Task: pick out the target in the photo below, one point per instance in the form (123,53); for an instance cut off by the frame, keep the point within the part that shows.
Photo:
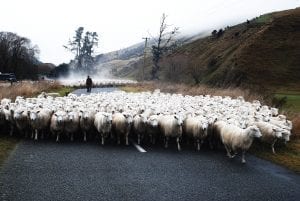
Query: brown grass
(27,89)
(296,127)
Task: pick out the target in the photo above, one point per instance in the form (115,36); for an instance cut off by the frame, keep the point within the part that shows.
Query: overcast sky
(121,23)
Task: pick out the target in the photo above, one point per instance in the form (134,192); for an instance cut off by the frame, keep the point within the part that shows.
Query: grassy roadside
(7,144)
(26,89)
(287,155)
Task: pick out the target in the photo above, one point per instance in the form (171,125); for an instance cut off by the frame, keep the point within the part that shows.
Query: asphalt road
(46,170)
(95,90)
(89,171)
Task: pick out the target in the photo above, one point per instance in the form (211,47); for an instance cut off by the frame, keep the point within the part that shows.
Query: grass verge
(286,155)
(7,144)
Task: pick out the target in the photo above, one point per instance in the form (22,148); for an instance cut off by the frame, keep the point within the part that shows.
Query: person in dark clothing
(89,84)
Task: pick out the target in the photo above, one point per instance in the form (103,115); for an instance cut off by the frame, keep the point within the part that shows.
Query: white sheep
(87,118)
(121,125)
(58,123)
(40,121)
(196,128)
(21,120)
(171,126)
(72,124)
(103,124)
(139,126)
(270,133)
(152,128)
(235,138)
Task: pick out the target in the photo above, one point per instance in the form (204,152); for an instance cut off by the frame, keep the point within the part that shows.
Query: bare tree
(165,42)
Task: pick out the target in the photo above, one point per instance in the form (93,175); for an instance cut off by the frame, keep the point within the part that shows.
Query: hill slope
(264,51)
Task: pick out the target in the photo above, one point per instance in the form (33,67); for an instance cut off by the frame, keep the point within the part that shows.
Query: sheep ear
(274,129)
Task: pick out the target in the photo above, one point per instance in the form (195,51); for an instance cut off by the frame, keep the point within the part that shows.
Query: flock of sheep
(148,117)
(96,82)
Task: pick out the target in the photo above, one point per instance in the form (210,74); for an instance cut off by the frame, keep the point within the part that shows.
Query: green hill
(264,51)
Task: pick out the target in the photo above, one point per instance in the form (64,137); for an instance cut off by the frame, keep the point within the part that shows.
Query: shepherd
(89,84)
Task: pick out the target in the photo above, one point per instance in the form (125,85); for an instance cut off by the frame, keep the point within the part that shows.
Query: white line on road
(138,147)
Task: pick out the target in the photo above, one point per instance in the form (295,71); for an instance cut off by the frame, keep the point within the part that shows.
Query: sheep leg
(166,142)
(127,143)
(84,136)
(102,139)
(119,140)
(32,134)
(178,143)
(243,157)
(36,134)
(72,137)
(57,137)
(198,145)
(228,151)
(272,146)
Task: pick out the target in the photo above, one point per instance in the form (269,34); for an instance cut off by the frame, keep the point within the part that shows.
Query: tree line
(18,56)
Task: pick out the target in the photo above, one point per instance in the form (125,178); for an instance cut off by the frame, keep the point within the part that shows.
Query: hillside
(264,51)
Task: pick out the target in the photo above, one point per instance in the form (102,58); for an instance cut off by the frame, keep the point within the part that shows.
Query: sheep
(21,120)
(270,133)
(40,121)
(87,118)
(171,126)
(45,95)
(152,128)
(58,123)
(103,124)
(235,138)
(8,113)
(72,124)
(139,126)
(196,128)
(121,125)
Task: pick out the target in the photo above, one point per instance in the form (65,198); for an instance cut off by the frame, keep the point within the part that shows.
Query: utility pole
(143,71)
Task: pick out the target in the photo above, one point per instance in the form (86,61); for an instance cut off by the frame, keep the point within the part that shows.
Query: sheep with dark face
(121,126)
(57,124)
(171,126)
(103,124)
(40,121)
